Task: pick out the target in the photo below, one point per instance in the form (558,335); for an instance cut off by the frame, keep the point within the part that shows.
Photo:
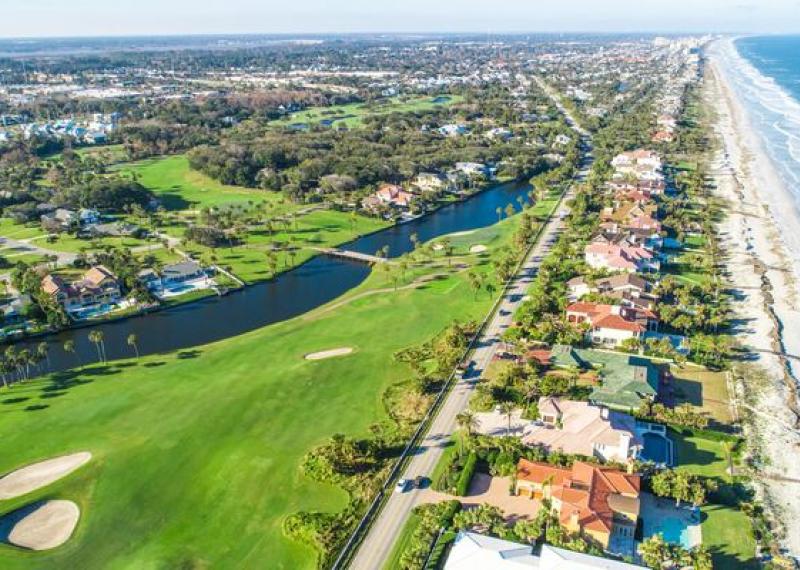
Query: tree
(509,210)
(43,352)
(69,347)
(133,341)
(467,421)
(655,551)
(475,281)
(97,337)
(507,409)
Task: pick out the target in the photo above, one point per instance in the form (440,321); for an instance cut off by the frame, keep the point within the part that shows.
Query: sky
(39,18)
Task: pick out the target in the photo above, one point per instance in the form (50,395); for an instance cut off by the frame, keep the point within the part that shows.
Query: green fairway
(181,188)
(196,453)
(352,114)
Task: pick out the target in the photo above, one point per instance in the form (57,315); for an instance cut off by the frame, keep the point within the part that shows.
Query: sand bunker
(46,526)
(464,233)
(478,248)
(329,353)
(38,475)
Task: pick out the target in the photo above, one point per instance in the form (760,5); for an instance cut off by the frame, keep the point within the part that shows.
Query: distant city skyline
(65,18)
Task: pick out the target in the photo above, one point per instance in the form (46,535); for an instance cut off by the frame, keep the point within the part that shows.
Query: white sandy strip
(750,234)
(478,248)
(50,525)
(464,233)
(329,353)
(38,475)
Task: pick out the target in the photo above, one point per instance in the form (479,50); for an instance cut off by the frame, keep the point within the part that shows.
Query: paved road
(376,546)
(26,246)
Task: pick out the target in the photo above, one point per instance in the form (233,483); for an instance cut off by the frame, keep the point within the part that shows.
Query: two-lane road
(376,546)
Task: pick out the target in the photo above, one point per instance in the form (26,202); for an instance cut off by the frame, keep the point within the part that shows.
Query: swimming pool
(656,448)
(673,530)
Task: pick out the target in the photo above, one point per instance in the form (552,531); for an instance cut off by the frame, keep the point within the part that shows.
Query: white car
(402,486)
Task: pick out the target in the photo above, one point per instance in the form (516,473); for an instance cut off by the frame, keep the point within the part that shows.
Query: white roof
(473,551)
(553,558)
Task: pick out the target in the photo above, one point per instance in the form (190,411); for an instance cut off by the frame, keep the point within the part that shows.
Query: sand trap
(329,353)
(464,233)
(48,525)
(478,248)
(38,475)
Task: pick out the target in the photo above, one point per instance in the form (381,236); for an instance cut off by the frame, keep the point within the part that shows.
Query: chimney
(573,520)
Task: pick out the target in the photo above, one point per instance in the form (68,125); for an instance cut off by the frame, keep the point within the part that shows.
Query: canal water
(293,293)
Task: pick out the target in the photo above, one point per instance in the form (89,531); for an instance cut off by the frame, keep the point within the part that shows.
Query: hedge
(466,475)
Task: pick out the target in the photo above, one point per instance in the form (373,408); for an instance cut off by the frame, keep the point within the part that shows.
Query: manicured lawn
(704,389)
(322,228)
(196,453)
(700,456)
(180,188)
(10,229)
(726,533)
(351,115)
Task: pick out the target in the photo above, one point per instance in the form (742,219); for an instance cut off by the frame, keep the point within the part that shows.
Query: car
(420,481)
(402,486)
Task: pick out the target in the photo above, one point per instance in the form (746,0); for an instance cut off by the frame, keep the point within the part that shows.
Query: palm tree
(97,338)
(69,347)
(467,421)
(43,353)
(133,341)
(507,409)
(499,212)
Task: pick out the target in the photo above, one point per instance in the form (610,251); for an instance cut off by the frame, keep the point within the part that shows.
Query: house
(87,216)
(181,272)
(611,325)
(498,133)
(620,258)
(453,130)
(430,181)
(60,220)
(472,168)
(616,285)
(593,501)
(13,309)
(98,286)
(473,551)
(572,427)
(629,160)
(389,195)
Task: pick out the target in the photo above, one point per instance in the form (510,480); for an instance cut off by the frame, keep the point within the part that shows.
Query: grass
(704,389)
(322,228)
(726,530)
(727,536)
(403,541)
(352,114)
(197,453)
(178,187)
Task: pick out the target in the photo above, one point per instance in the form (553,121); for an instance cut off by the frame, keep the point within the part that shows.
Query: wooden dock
(354,255)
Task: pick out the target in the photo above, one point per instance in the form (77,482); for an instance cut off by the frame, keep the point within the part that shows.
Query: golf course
(196,453)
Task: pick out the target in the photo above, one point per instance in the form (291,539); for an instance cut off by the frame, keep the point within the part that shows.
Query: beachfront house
(611,325)
(613,257)
(473,551)
(569,426)
(593,501)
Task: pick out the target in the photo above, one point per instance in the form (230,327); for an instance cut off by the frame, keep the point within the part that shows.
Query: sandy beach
(764,281)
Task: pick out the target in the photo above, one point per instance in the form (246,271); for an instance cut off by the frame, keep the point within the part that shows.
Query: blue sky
(121,17)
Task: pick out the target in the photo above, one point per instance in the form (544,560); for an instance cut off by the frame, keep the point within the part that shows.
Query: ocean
(765,74)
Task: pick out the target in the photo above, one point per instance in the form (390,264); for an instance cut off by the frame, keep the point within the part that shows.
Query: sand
(38,475)
(329,353)
(49,525)
(478,248)
(764,284)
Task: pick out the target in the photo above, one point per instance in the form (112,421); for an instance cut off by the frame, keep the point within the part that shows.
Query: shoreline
(763,283)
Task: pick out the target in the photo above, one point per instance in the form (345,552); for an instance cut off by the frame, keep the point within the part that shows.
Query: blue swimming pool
(673,530)
(656,448)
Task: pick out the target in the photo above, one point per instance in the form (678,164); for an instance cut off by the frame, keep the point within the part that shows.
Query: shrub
(466,474)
